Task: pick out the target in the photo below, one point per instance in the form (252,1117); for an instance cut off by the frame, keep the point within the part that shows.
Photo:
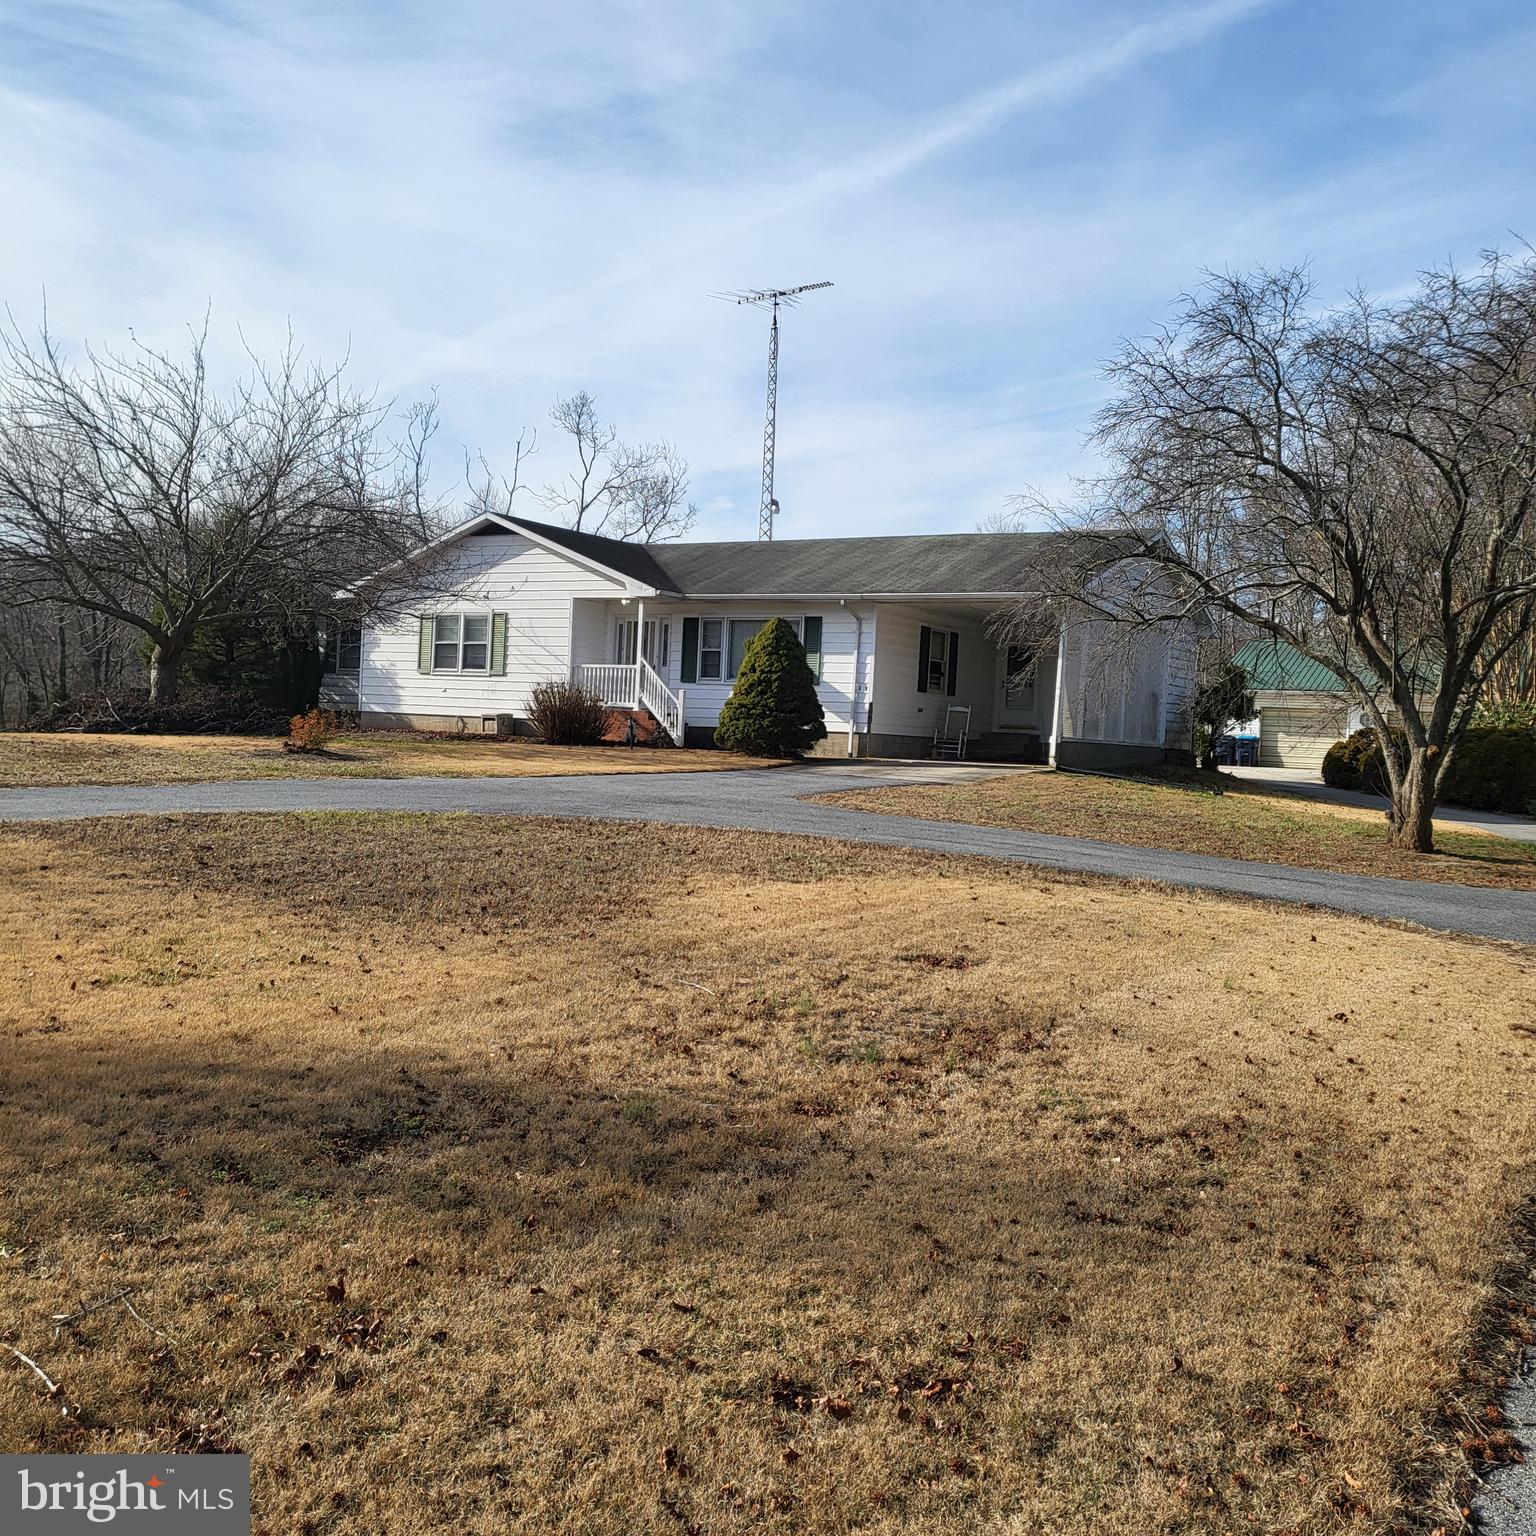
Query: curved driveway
(770,800)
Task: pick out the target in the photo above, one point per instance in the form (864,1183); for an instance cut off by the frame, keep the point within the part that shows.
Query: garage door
(1298,738)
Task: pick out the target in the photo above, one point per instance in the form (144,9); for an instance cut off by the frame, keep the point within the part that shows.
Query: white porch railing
(636,685)
(661,701)
(614,683)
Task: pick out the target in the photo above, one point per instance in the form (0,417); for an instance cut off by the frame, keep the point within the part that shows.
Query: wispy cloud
(1042,86)
(507,203)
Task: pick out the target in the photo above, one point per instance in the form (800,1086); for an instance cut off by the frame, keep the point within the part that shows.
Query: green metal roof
(1275,667)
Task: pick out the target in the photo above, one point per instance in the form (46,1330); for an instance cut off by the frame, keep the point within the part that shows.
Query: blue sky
(510,201)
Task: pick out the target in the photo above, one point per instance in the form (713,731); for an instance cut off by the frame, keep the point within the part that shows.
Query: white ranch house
(895,629)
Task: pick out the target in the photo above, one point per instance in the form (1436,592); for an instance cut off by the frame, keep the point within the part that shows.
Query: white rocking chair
(950,738)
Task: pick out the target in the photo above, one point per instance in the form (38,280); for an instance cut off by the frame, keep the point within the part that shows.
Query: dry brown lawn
(37,758)
(495,1175)
(1190,813)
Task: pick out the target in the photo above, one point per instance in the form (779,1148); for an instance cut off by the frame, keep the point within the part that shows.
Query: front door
(658,643)
(1015,689)
(624,642)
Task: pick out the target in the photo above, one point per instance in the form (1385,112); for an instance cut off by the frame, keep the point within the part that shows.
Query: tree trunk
(1411,823)
(165,671)
(300,669)
(61,681)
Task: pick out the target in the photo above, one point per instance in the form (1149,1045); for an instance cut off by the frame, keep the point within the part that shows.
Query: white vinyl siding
(504,573)
(1115,689)
(899,708)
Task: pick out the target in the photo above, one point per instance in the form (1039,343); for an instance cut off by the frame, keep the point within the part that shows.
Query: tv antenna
(770,299)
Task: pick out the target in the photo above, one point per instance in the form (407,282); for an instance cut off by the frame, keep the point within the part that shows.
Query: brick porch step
(646,725)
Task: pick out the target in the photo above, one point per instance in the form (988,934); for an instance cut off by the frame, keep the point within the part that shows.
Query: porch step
(646,726)
(1006,747)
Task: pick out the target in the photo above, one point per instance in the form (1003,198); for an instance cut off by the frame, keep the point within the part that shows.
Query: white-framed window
(743,632)
(938,659)
(711,650)
(461,642)
(1021,665)
(343,648)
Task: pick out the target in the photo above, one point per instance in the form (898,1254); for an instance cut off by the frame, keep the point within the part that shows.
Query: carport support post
(1061,667)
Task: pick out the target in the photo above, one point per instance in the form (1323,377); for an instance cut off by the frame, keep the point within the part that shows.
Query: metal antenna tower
(770,298)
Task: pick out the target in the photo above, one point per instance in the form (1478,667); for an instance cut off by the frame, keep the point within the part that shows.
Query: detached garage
(1302,707)
(1298,736)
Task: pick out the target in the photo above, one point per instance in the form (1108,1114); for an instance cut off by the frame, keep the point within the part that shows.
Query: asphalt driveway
(770,800)
(1310,786)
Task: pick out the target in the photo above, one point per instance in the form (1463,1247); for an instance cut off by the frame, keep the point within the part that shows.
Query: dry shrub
(565,714)
(312,731)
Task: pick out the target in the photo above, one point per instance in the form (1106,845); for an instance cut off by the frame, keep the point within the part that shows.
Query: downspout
(1162,699)
(362,652)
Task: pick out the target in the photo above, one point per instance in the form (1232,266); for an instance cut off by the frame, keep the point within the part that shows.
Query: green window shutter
(690,656)
(811,628)
(424,646)
(952,674)
(498,645)
(924,645)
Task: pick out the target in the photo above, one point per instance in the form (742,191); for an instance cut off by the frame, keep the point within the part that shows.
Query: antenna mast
(770,299)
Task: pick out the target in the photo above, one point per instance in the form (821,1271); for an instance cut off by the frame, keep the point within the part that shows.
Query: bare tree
(1512,679)
(49,652)
(1359,483)
(487,492)
(622,490)
(132,489)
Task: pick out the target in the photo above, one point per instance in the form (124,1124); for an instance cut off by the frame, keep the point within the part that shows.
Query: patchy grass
(38,758)
(491,1174)
(1193,814)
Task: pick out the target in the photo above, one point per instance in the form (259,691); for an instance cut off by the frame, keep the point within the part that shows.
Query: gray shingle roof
(632,560)
(923,564)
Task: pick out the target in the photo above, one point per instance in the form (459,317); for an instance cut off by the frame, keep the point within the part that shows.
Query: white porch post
(639,647)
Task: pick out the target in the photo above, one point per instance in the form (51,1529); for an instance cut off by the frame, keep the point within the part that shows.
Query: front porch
(867,656)
(636,685)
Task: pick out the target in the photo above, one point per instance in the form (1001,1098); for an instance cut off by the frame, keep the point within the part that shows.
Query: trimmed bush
(1356,763)
(1519,715)
(773,710)
(1494,769)
(565,714)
